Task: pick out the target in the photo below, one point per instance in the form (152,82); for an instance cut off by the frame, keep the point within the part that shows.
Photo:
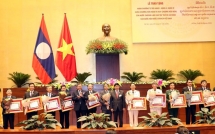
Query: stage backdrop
(173,21)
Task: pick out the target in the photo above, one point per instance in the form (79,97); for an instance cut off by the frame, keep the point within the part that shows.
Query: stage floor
(126,129)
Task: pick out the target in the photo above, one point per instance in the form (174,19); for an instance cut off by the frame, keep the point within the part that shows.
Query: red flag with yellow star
(65,57)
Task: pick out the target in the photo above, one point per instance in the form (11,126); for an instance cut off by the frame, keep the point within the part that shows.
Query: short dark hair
(63,86)
(182,130)
(171,83)
(105,84)
(116,84)
(203,81)
(188,80)
(79,84)
(29,84)
(89,84)
(111,131)
(8,90)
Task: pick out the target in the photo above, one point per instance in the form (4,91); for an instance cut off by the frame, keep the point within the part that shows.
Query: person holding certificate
(133,114)
(5,104)
(86,96)
(190,109)
(203,88)
(80,106)
(64,115)
(117,104)
(154,90)
(30,94)
(50,94)
(172,111)
(105,100)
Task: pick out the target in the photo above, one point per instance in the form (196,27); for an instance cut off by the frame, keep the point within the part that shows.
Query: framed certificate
(95,103)
(67,104)
(53,104)
(197,98)
(159,101)
(179,102)
(210,101)
(138,103)
(35,104)
(16,106)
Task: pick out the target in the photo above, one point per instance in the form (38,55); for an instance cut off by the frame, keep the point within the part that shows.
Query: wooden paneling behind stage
(19,93)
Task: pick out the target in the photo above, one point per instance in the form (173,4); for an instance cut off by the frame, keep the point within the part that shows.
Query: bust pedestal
(107,66)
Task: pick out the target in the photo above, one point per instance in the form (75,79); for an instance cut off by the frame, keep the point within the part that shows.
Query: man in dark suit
(79,103)
(90,91)
(64,115)
(30,94)
(50,94)
(203,88)
(105,105)
(117,104)
(190,110)
(7,117)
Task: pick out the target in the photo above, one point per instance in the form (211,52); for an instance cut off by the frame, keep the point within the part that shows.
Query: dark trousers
(116,114)
(92,110)
(52,113)
(174,113)
(108,112)
(80,113)
(64,116)
(29,115)
(8,118)
(202,106)
(190,111)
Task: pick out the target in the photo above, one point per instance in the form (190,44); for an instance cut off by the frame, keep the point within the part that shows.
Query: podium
(107,66)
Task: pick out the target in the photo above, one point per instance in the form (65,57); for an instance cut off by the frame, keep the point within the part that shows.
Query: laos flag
(43,59)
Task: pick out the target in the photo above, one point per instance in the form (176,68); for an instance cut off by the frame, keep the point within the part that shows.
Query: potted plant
(81,77)
(133,77)
(96,121)
(40,122)
(206,116)
(19,79)
(156,120)
(162,74)
(190,74)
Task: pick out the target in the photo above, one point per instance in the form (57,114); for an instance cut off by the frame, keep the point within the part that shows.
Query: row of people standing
(115,105)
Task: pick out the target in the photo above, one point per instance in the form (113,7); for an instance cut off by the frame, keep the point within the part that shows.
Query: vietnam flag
(65,57)
(43,59)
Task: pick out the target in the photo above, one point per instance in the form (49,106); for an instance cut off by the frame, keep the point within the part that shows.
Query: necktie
(49,94)
(133,92)
(30,93)
(117,94)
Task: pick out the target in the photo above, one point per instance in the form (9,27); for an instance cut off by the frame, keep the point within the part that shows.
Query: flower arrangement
(188,96)
(45,100)
(162,83)
(174,95)
(111,82)
(67,84)
(152,94)
(7,103)
(106,98)
(114,46)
